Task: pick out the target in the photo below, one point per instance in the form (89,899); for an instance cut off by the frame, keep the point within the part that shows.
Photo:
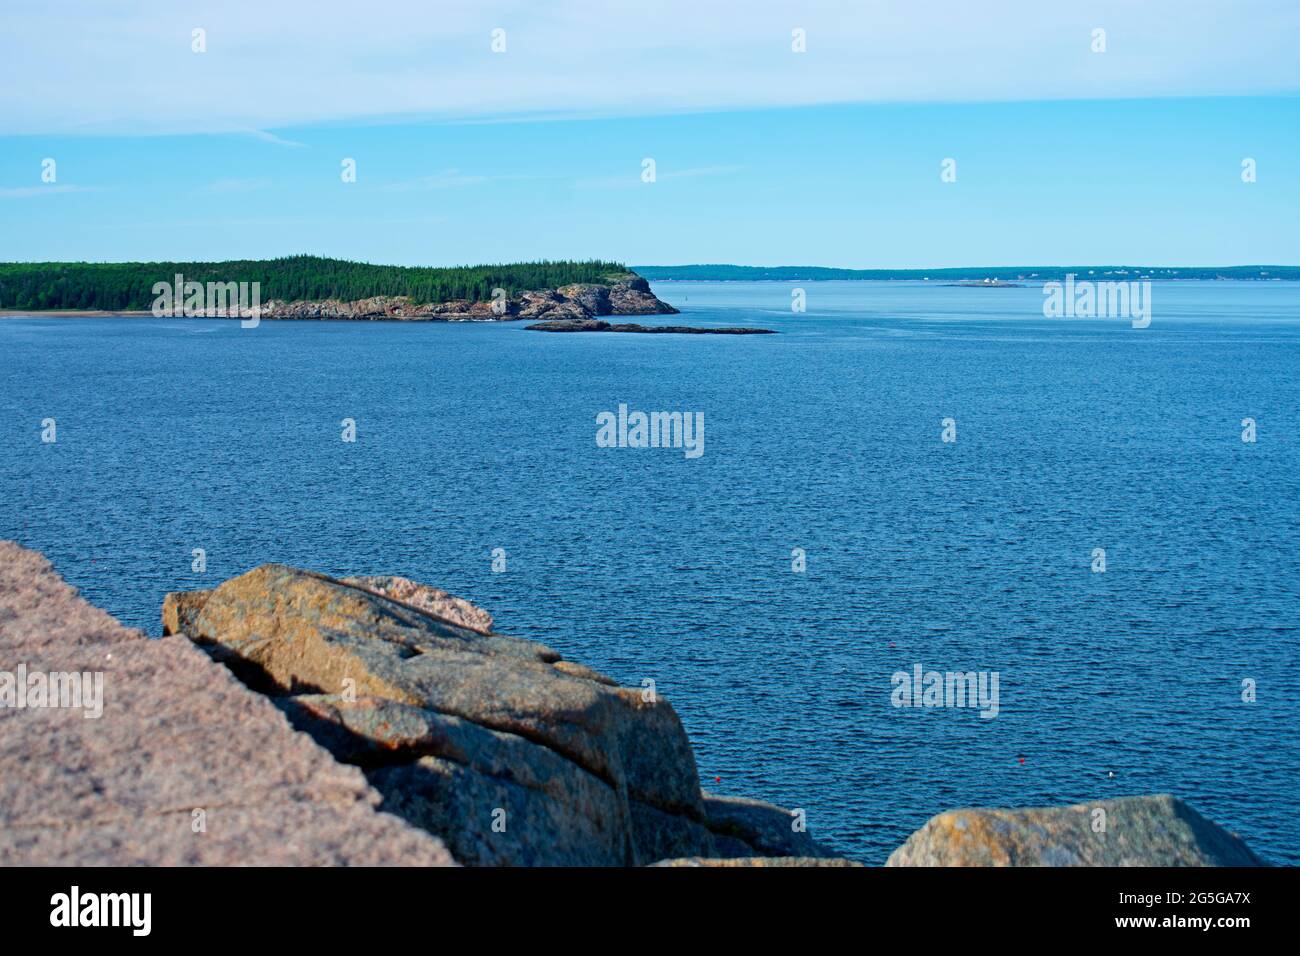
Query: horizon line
(662,265)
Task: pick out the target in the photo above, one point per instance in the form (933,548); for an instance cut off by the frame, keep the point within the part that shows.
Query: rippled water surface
(1071,435)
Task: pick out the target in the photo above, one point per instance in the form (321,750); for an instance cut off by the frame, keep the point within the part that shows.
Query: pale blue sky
(764,156)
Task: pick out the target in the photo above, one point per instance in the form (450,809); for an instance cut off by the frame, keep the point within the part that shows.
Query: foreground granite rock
(491,746)
(496,744)
(629,295)
(1134,831)
(185,766)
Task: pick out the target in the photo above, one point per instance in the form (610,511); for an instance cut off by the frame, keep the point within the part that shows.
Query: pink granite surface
(178,734)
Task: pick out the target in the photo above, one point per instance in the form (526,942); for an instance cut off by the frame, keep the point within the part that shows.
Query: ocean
(826,539)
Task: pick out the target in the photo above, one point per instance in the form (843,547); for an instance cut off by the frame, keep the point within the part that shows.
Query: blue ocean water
(976,555)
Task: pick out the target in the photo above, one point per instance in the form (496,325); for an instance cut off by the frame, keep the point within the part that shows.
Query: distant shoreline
(1028,274)
(944,281)
(72,314)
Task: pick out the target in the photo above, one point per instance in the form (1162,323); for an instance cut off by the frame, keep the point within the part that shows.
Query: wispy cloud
(269,137)
(632,179)
(700,171)
(451,179)
(314,223)
(51,189)
(236,185)
(97,66)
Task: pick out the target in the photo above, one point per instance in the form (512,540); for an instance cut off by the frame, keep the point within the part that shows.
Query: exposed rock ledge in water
(629,296)
(595,325)
(760,861)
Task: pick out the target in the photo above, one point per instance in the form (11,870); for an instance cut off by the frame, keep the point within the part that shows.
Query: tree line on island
(129,286)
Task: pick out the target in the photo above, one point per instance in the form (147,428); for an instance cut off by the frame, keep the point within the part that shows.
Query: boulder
(491,819)
(768,829)
(499,799)
(179,610)
(659,835)
(1130,831)
(509,753)
(431,600)
(291,631)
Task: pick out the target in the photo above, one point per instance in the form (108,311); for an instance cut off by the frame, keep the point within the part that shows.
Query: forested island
(313,288)
(129,286)
(725,273)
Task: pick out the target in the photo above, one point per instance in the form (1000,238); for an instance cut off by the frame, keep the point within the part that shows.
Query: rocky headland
(629,295)
(310,720)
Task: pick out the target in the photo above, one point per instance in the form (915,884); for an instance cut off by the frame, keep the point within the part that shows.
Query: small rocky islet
(596,325)
(372,720)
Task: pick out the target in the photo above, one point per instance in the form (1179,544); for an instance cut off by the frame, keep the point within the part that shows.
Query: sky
(1057,149)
